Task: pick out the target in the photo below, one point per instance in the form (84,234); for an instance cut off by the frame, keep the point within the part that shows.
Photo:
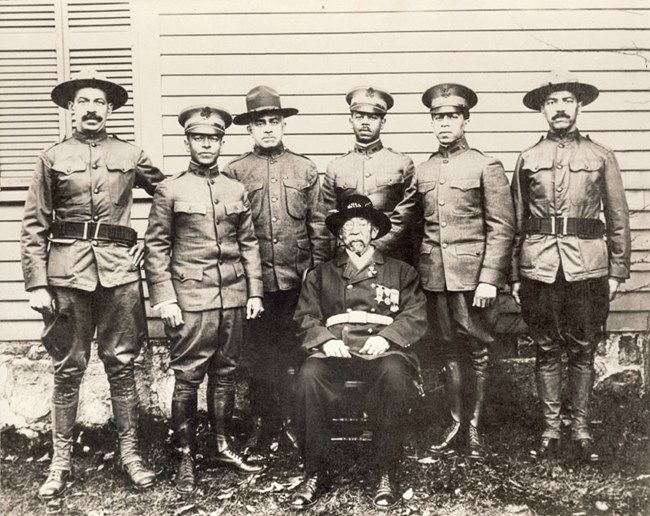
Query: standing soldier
(81,260)
(464,258)
(203,270)
(289,217)
(371,169)
(564,272)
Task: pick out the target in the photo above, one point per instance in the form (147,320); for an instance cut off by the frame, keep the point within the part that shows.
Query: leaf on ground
(108,456)
(602,506)
(11,458)
(428,460)
(250,508)
(225,495)
(44,458)
(408,494)
(293,482)
(184,509)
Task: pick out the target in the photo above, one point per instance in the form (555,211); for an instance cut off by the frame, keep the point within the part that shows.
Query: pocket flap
(254,187)
(69,166)
(233,208)
(537,164)
(347,182)
(470,249)
(303,243)
(389,179)
(465,184)
(297,184)
(119,166)
(189,207)
(585,164)
(188,273)
(426,248)
(426,186)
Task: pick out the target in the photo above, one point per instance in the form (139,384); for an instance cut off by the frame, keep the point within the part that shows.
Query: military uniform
(343,301)
(75,240)
(464,198)
(560,256)
(288,215)
(378,172)
(202,254)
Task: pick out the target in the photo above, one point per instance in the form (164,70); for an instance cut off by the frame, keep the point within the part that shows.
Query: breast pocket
(427,189)
(466,196)
(255,197)
(71,185)
(189,219)
(120,181)
(584,181)
(295,198)
(539,176)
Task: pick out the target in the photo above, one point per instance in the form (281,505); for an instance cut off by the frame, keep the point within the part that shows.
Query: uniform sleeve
(617,219)
(35,229)
(249,250)
(410,324)
(316,212)
(499,220)
(407,213)
(146,175)
(519,192)
(308,318)
(158,244)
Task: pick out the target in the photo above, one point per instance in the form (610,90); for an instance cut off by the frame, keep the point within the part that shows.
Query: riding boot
(183,425)
(125,412)
(453,385)
(475,439)
(548,376)
(580,385)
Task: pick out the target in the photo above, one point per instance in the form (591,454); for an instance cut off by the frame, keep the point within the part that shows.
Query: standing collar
(458,147)
(202,170)
(271,153)
(566,137)
(369,148)
(90,137)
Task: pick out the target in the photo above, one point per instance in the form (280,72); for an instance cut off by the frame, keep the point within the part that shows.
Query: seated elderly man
(357,314)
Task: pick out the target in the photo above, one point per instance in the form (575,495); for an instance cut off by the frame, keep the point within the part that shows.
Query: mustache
(91,115)
(560,116)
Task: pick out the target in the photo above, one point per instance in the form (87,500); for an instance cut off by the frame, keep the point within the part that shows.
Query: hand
(171,315)
(613,288)
(336,348)
(42,301)
(484,295)
(137,251)
(514,292)
(254,308)
(375,345)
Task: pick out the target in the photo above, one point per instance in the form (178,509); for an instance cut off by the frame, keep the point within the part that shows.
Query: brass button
(216,202)
(220,262)
(559,165)
(349,287)
(96,217)
(561,146)
(93,144)
(274,180)
(373,310)
(211,181)
(443,224)
(274,199)
(95,242)
(348,310)
(96,190)
(445,161)
(368,175)
(274,219)
(219,242)
(443,181)
(275,240)
(369,330)
(444,246)
(181,275)
(441,203)
(95,166)
(559,188)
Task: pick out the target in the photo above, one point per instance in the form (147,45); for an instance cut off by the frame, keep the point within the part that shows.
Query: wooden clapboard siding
(173,54)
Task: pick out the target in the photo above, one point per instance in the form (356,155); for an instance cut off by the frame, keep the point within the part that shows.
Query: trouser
(270,349)
(118,315)
(570,315)
(318,391)
(464,331)
(209,343)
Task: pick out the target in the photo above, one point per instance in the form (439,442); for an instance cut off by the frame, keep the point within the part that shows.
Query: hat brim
(585,93)
(335,221)
(65,92)
(245,118)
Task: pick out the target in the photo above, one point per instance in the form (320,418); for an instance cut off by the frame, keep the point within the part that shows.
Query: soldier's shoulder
(599,146)
(56,144)
(119,140)
(538,144)
(341,157)
(298,156)
(174,177)
(238,158)
(397,153)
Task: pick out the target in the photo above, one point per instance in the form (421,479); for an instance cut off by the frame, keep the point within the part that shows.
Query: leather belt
(358,317)
(94,231)
(583,228)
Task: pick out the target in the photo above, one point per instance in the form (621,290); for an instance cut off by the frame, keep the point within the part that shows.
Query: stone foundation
(622,362)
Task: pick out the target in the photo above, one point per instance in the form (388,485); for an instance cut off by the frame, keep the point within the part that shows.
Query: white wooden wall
(312,52)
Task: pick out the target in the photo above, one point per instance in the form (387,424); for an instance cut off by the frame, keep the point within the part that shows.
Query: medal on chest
(387,296)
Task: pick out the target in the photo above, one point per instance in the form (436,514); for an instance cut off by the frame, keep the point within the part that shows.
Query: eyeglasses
(202,138)
(359,223)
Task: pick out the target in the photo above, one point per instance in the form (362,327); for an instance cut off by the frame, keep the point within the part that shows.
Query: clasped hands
(375,345)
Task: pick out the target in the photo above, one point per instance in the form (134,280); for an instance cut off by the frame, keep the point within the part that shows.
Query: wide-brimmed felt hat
(88,77)
(205,119)
(358,205)
(449,97)
(560,80)
(262,100)
(368,99)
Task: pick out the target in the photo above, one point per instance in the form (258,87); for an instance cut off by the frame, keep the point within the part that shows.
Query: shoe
(548,447)
(288,438)
(231,458)
(445,447)
(475,443)
(56,484)
(385,496)
(185,478)
(305,495)
(585,450)
(139,475)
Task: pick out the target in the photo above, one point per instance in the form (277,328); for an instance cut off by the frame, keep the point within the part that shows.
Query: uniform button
(274,199)
(445,161)
(216,202)
(443,224)
(275,240)
(442,181)
(367,194)
(96,190)
(373,310)
(96,217)
(349,287)
(95,166)
(368,175)
(274,180)
(216,222)
(369,330)
(345,328)
(220,262)
(373,285)
(274,219)
(441,203)
(211,181)
(219,242)
(559,165)
(93,144)
(559,188)
(348,310)
(95,242)
(444,246)
(561,146)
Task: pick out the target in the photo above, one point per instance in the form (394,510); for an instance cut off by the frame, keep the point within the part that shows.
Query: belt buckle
(96,235)
(563,226)
(358,317)
(85,235)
